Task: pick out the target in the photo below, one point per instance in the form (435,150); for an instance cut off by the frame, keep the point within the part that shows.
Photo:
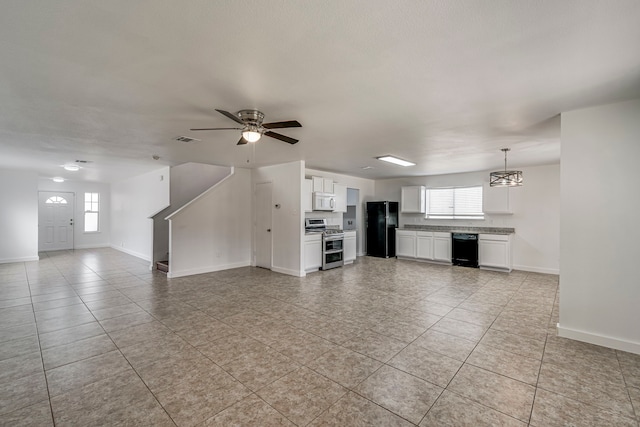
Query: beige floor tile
(87,371)
(20,366)
(375,345)
(139,334)
(353,410)
(250,411)
(448,345)
(302,395)
(634,394)
(453,410)
(430,366)
(198,399)
(401,393)
(513,343)
(498,392)
(224,350)
(461,329)
(583,386)
(21,392)
(503,362)
(630,364)
(77,350)
(470,316)
(258,369)
(36,415)
(344,366)
(551,409)
(121,399)
(70,335)
(302,346)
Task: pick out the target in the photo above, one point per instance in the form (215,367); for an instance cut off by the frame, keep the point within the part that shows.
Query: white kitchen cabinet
(312,252)
(413,199)
(424,245)
(405,244)
(322,185)
(349,247)
(494,251)
(495,200)
(341,197)
(441,246)
(307,195)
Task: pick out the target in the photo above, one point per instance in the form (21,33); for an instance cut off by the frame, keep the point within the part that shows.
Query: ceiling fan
(253,128)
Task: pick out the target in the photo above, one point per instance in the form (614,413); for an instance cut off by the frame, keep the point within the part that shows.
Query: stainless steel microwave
(323,201)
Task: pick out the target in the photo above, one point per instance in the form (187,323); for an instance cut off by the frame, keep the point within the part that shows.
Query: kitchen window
(454,203)
(91,212)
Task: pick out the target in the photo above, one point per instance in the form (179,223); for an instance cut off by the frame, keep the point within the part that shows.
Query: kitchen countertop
(458,229)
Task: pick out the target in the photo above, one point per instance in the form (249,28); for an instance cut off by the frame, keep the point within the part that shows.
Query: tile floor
(92,337)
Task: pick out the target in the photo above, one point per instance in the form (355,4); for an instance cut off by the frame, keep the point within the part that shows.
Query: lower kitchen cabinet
(424,245)
(312,252)
(349,247)
(494,251)
(405,244)
(441,246)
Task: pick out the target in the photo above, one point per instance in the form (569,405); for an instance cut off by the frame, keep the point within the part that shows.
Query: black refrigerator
(382,221)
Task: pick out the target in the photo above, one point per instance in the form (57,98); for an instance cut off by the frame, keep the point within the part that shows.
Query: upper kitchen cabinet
(495,200)
(413,199)
(307,195)
(341,197)
(322,185)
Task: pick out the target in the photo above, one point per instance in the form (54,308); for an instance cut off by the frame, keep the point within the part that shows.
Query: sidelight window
(91,212)
(454,203)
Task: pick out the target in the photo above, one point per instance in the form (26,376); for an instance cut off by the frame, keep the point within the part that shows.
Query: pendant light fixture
(505,178)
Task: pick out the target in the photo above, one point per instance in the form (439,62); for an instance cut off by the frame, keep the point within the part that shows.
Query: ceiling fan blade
(282,125)
(242,141)
(231,116)
(281,137)
(218,129)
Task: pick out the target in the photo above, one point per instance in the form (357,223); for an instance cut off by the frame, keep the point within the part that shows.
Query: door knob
(268,230)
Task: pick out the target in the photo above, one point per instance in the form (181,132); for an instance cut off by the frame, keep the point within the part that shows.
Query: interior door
(55,220)
(264,235)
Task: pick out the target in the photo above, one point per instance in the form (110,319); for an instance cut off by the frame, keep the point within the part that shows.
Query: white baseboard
(20,259)
(172,274)
(605,341)
(542,270)
(102,245)
(130,252)
(288,271)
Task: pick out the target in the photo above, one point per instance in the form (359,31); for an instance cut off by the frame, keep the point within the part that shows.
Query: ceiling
(444,84)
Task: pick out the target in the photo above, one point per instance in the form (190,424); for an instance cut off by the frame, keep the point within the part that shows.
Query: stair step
(162,266)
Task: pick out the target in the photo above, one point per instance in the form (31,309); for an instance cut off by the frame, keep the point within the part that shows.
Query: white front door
(55,221)
(264,240)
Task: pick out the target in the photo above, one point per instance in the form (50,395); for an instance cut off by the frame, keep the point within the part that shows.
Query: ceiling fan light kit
(505,178)
(253,128)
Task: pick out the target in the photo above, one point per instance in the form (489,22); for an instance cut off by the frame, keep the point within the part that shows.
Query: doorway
(55,220)
(263,214)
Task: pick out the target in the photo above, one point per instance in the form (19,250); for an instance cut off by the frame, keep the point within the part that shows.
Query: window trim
(471,217)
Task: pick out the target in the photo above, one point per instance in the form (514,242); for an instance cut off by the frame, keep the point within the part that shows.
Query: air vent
(83,161)
(186,139)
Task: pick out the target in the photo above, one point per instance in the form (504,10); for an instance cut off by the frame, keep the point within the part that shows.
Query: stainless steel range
(332,242)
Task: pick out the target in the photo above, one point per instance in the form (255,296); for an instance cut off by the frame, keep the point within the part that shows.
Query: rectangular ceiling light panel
(395,160)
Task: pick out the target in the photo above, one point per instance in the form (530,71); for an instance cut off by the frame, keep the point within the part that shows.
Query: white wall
(599,286)
(367,194)
(288,221)
(82,240)
(188,181)
(213,232)
(535,205)
(18,216)
(133,201)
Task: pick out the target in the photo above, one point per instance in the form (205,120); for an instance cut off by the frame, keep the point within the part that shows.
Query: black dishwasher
(465,249)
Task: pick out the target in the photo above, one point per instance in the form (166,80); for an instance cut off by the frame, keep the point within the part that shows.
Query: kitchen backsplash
(333,218)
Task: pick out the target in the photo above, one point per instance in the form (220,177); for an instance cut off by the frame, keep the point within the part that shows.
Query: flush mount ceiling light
(505,178)
(58,179)
(395,161)
(71,167)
